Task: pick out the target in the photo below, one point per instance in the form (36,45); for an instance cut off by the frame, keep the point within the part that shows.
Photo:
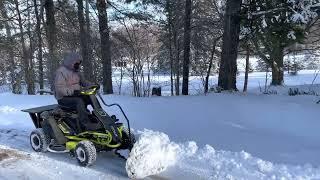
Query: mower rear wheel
(85,153)
(39,141)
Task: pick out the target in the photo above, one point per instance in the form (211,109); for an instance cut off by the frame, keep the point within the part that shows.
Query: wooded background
(138,39)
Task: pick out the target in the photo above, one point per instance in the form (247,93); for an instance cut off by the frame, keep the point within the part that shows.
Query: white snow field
(218,136)
(256,82)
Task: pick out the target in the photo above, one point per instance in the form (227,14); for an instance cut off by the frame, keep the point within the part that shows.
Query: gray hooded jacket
(67,80)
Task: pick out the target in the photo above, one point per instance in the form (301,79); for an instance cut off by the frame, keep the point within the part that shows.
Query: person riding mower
(68,84)
(70,127)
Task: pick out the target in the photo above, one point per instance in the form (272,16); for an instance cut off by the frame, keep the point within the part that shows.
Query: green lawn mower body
(57,130)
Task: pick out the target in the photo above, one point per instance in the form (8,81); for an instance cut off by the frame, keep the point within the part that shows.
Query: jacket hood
(70,59)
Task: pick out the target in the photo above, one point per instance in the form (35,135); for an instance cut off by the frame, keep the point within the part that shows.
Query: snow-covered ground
(256,82)
(218,136)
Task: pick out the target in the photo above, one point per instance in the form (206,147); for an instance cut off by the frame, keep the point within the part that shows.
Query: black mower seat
(40,109)
(66,108)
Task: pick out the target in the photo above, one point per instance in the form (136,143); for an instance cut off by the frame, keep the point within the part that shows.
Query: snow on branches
(291,13)
(304,10)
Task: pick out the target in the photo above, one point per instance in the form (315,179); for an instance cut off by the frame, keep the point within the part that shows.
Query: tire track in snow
(15,138)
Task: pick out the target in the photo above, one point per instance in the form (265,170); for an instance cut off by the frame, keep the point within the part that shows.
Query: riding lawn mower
(57,130)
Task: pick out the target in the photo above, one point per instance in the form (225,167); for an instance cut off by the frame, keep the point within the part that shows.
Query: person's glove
(98,86)
(76,92)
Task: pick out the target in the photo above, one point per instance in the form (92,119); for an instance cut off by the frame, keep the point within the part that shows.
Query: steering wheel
(97,87)
(89,90)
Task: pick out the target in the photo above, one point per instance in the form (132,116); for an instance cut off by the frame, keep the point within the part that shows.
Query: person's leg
(69,102)
(82,112)
(79,105)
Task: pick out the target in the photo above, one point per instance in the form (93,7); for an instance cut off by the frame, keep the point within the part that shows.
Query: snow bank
(7,109)
(154,153)
(307,89)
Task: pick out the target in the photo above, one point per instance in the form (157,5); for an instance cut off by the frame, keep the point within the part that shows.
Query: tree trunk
(149,79)
(277,67)
(15,79)
(177,68)
(24,58)
(171,68)
(40,52)
(169,28)
(31,71)
(288,66)
(83,41)
(266,81)
(176,51)
(206,85)
(187,41)
(89,67)
(134,81)
(246,77)
(83,33)
(105,46)
(171,61)
(51,34)
(121,78)
(228,64)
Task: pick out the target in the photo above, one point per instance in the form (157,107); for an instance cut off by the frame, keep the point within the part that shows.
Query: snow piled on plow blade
(154,153)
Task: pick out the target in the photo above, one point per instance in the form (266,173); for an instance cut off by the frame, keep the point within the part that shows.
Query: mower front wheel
(127,143)
(85,153)
(39,141)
